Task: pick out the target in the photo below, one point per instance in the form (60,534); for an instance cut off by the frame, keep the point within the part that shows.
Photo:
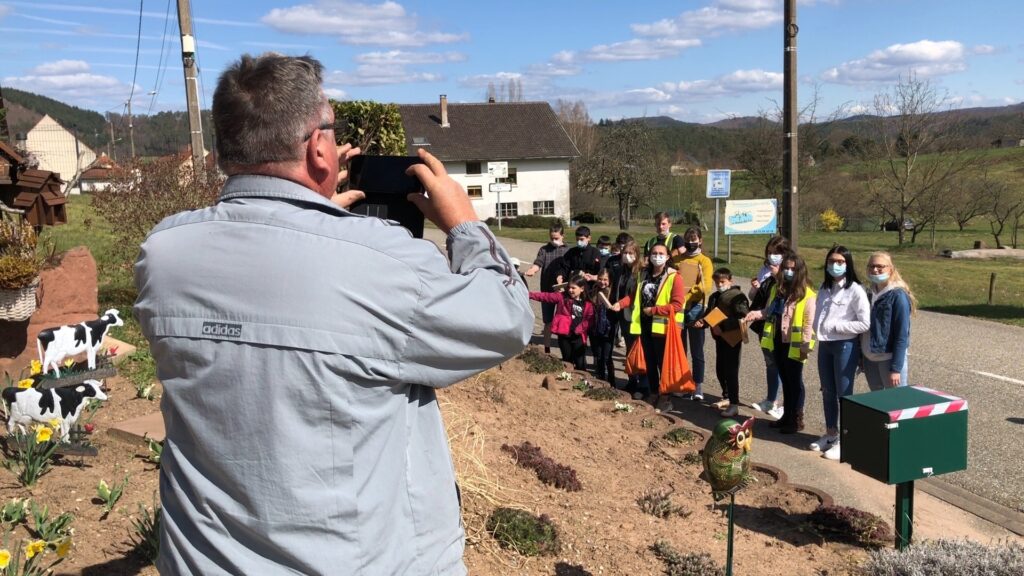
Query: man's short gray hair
(264,106)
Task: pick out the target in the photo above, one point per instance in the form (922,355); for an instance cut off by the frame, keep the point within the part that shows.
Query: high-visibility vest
(796,332)
(654,240)
(659,324)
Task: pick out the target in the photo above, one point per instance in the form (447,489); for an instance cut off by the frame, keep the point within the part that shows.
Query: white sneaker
(698,397)
(833,452)
(824,443)
(777,412)
(763,405)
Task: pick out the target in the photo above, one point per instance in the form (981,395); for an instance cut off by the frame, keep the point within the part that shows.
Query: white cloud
(404,58)
(373,75)
(639,49)
(4,10)
(60,67)
(721,16)
(671,93)
(335,93)
(926,58)
(982,49)
(71,81)
(385,24)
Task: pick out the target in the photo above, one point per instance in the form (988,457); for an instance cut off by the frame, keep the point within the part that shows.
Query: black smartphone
(386,185)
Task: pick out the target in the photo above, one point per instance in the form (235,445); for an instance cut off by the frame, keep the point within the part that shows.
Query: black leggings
(573,350)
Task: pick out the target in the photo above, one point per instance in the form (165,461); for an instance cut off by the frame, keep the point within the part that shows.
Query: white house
(525,135)
(59,151)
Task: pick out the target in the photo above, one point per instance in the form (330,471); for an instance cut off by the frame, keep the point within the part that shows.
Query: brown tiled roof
(8,151)
(494,131)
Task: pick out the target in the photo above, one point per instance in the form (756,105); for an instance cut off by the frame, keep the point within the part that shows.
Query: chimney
(444,111)
(490,100)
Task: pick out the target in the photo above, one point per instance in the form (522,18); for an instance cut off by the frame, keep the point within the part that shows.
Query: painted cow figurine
(28,405)
(56,344)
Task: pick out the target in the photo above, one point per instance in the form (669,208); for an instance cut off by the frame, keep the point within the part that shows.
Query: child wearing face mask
(731,300)
(842,314)
(573,316)
(693,338)
(760,288)
(582,259)
(624,275)
(603,329)
(604,248)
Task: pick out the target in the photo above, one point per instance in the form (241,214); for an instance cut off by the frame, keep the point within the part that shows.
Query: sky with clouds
(694,60)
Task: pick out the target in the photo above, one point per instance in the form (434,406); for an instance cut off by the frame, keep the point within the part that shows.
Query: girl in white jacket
(842,314)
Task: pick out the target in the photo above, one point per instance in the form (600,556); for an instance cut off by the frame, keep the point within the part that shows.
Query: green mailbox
(898,435)
(906,433)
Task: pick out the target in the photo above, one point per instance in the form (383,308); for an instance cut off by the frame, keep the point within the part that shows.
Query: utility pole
(790,120)
(110,147)
(131,128)
(188,59)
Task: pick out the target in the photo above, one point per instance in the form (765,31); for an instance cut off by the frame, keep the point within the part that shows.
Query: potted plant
(19,270)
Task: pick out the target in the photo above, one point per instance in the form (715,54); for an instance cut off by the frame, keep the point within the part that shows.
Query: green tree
(373,126)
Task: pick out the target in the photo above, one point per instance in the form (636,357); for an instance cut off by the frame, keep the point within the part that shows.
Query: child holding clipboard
(726,308)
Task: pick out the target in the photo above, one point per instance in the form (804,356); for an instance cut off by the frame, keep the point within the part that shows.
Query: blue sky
(696,61)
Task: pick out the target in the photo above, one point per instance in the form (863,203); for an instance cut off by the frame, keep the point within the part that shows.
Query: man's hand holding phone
(349,197)
(445,203)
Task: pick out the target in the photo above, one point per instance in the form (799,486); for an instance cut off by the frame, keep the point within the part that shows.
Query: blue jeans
(837,367)
(695,347)
(877,373)
(772,372)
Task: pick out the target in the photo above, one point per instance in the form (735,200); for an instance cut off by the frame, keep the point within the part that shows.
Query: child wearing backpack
(603,330)
(573,316)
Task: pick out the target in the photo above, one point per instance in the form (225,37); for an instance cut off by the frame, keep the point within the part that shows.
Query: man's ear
(317,157)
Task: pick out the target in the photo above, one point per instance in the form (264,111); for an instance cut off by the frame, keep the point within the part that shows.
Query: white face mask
(628,258)
(659,259)
(775,259)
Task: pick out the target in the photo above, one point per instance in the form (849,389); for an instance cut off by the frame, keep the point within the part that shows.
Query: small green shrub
(17,272)
(588,218)
(602,394)
(537,361)
(692,458)
(523,532)
(680,436)
(583,385)
(689,564)
(852,525)
(658,503)
(948,558)
(548,471)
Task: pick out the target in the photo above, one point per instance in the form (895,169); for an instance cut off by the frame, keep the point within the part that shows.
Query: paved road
(976,359)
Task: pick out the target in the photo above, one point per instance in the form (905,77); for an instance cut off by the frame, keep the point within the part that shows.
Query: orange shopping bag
(636,363)
(675,370)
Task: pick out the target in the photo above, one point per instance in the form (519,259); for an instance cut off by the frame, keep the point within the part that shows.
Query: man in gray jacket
(299,347)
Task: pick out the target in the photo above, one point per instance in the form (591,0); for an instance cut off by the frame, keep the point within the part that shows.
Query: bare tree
(920,148)
(510,91)
(578,126)
(624,165)
(967,199)
(1006,206)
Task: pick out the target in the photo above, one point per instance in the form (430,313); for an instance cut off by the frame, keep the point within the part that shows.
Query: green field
(940,284)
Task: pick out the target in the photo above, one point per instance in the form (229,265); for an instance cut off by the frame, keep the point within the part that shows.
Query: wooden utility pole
(790,121)
(110,147)
(188,59)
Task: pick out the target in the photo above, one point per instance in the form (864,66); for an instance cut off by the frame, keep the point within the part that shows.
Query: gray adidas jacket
(299,347)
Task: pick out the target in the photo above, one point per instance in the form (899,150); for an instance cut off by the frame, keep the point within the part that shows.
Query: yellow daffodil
(69,362)
(34,548)
(54,423)
(64,547)
(43,434)
(26,383)
(5,558)
(37,368)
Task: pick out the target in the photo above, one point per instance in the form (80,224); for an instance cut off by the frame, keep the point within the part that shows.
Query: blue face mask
(878,278)
(788,275)
(837,270)
(775,259)
(605,251)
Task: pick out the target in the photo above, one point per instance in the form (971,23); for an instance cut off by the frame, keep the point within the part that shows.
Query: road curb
(969,502)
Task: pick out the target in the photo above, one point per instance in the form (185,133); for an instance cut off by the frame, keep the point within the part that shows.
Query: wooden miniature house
(36,193)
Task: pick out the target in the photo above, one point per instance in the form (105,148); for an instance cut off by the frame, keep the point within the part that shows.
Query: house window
(544,208)
(472,168)
(511,177)
(507,209)
(475,191)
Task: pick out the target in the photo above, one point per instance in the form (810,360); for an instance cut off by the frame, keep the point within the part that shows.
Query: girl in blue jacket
(885,343)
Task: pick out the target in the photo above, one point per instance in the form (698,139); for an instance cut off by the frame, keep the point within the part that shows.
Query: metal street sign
(499,187)
(718,183)
(497,169)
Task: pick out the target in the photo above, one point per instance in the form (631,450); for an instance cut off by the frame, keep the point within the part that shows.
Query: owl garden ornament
(726,457)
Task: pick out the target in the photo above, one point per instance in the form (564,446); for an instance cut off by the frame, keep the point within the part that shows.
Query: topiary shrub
(548,471)
(689,564)
(537,361)
(852,525)
(948,558)
(523,532)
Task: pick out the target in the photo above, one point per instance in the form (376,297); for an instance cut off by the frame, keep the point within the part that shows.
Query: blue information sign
(718,183)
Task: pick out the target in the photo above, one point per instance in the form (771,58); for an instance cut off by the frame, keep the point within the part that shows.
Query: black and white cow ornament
(28,405)
(56,344)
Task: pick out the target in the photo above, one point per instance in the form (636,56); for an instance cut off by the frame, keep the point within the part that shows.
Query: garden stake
(728,550)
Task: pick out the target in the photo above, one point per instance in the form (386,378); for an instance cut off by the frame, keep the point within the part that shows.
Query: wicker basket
(18,305)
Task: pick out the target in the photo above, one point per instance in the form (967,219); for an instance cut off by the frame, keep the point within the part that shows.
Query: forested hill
(156,135)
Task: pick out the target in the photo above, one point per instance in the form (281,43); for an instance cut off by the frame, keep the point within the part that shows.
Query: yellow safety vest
(658,323)
(796,332)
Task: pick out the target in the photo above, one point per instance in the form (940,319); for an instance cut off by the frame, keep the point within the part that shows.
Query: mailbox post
(899,435)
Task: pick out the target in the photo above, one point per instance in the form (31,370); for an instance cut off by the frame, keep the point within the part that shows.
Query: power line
(161,63)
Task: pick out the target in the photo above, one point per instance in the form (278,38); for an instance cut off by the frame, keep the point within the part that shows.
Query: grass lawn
(940,284)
